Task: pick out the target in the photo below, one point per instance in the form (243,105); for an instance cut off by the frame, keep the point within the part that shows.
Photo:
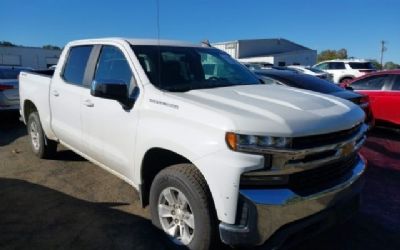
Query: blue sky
(357,25)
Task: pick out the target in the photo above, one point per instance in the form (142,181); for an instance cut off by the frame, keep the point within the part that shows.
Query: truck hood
(277,110)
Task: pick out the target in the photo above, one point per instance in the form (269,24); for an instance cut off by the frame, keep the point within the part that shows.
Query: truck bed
(43,72)
(34,88)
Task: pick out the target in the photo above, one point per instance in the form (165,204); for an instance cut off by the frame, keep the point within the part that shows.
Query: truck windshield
(179,69)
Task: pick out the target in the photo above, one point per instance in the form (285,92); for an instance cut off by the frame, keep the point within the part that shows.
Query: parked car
(316,84)
(253,66)
(312,71)
(383,89)
(345,70)
(9,94)
(208,151)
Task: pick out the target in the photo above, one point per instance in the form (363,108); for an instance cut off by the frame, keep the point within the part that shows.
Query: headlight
(255,143)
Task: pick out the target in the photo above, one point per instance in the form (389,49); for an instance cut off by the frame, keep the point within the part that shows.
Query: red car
(383,89)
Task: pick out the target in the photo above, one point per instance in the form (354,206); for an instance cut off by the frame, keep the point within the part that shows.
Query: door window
(370,83)
(336,65)
(396,83)
(76,63)
(112,67)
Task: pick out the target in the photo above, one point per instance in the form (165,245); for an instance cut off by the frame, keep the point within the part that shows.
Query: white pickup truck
(216,154)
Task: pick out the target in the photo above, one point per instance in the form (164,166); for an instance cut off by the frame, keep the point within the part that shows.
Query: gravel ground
(69,203)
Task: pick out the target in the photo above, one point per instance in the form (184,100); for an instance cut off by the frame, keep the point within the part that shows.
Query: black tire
(187,179)
(41,146)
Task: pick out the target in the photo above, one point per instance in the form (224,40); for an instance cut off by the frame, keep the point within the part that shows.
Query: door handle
(55,93)
(88,103)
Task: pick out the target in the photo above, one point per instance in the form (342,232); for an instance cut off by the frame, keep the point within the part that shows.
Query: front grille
(307,181)
(322,177)
(325,139)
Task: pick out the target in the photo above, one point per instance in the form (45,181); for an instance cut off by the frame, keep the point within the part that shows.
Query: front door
(109,129)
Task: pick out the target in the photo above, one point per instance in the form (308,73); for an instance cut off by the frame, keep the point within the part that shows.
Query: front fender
(222,172)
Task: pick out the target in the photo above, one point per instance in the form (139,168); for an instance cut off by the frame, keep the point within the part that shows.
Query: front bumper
(264,212)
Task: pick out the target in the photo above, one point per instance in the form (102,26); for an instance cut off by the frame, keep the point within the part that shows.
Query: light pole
(383,49)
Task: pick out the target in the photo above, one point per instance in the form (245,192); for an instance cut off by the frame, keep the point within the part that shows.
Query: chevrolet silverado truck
(217,155)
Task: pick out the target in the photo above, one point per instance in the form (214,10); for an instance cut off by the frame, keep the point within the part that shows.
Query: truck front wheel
(180,205)
(41,146)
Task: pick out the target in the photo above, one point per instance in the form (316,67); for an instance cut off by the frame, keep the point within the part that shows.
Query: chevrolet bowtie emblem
(348,149)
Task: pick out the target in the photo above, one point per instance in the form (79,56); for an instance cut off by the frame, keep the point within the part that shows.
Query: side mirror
(109,90)
(113,90)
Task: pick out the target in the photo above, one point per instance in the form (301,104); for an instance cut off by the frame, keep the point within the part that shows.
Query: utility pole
(383,49)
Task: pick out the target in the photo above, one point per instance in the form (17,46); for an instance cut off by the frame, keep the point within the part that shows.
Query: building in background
(276,52)
(33,57)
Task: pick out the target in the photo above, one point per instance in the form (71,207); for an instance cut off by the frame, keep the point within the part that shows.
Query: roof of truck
(137,41)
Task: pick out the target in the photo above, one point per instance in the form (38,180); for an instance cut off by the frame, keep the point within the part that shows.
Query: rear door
(393,100)
(65,96)
(108,129)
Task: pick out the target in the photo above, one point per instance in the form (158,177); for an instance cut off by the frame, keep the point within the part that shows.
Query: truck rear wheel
(41,146)
(180,205)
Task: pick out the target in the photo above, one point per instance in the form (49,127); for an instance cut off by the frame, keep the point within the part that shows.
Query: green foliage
(332,54)
(49,46)
(391,65)
(7,44)
(376,64)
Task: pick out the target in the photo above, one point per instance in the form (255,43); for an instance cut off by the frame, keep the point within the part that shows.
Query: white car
(347,69)
(9,93)
(207,145)
(312,71)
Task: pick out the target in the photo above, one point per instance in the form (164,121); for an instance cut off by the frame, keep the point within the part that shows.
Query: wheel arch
(28,108)
(154,160)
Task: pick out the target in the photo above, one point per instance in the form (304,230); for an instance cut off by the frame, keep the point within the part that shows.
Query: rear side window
(336,65)
(113,66)
(75,66)
(370,83)
(364,65)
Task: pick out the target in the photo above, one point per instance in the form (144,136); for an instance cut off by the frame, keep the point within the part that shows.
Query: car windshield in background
(8,74)
(315,70)
(359,65)
(304,82)
(179,69)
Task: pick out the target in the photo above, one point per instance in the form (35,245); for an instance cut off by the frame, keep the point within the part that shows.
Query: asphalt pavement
(69,203)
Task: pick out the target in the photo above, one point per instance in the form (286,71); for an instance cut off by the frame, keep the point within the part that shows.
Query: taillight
(5,87)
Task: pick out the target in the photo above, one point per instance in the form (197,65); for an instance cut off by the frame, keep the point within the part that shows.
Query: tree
(332,54)
(376,64)
(49,46)
(7,44)
(391,65)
